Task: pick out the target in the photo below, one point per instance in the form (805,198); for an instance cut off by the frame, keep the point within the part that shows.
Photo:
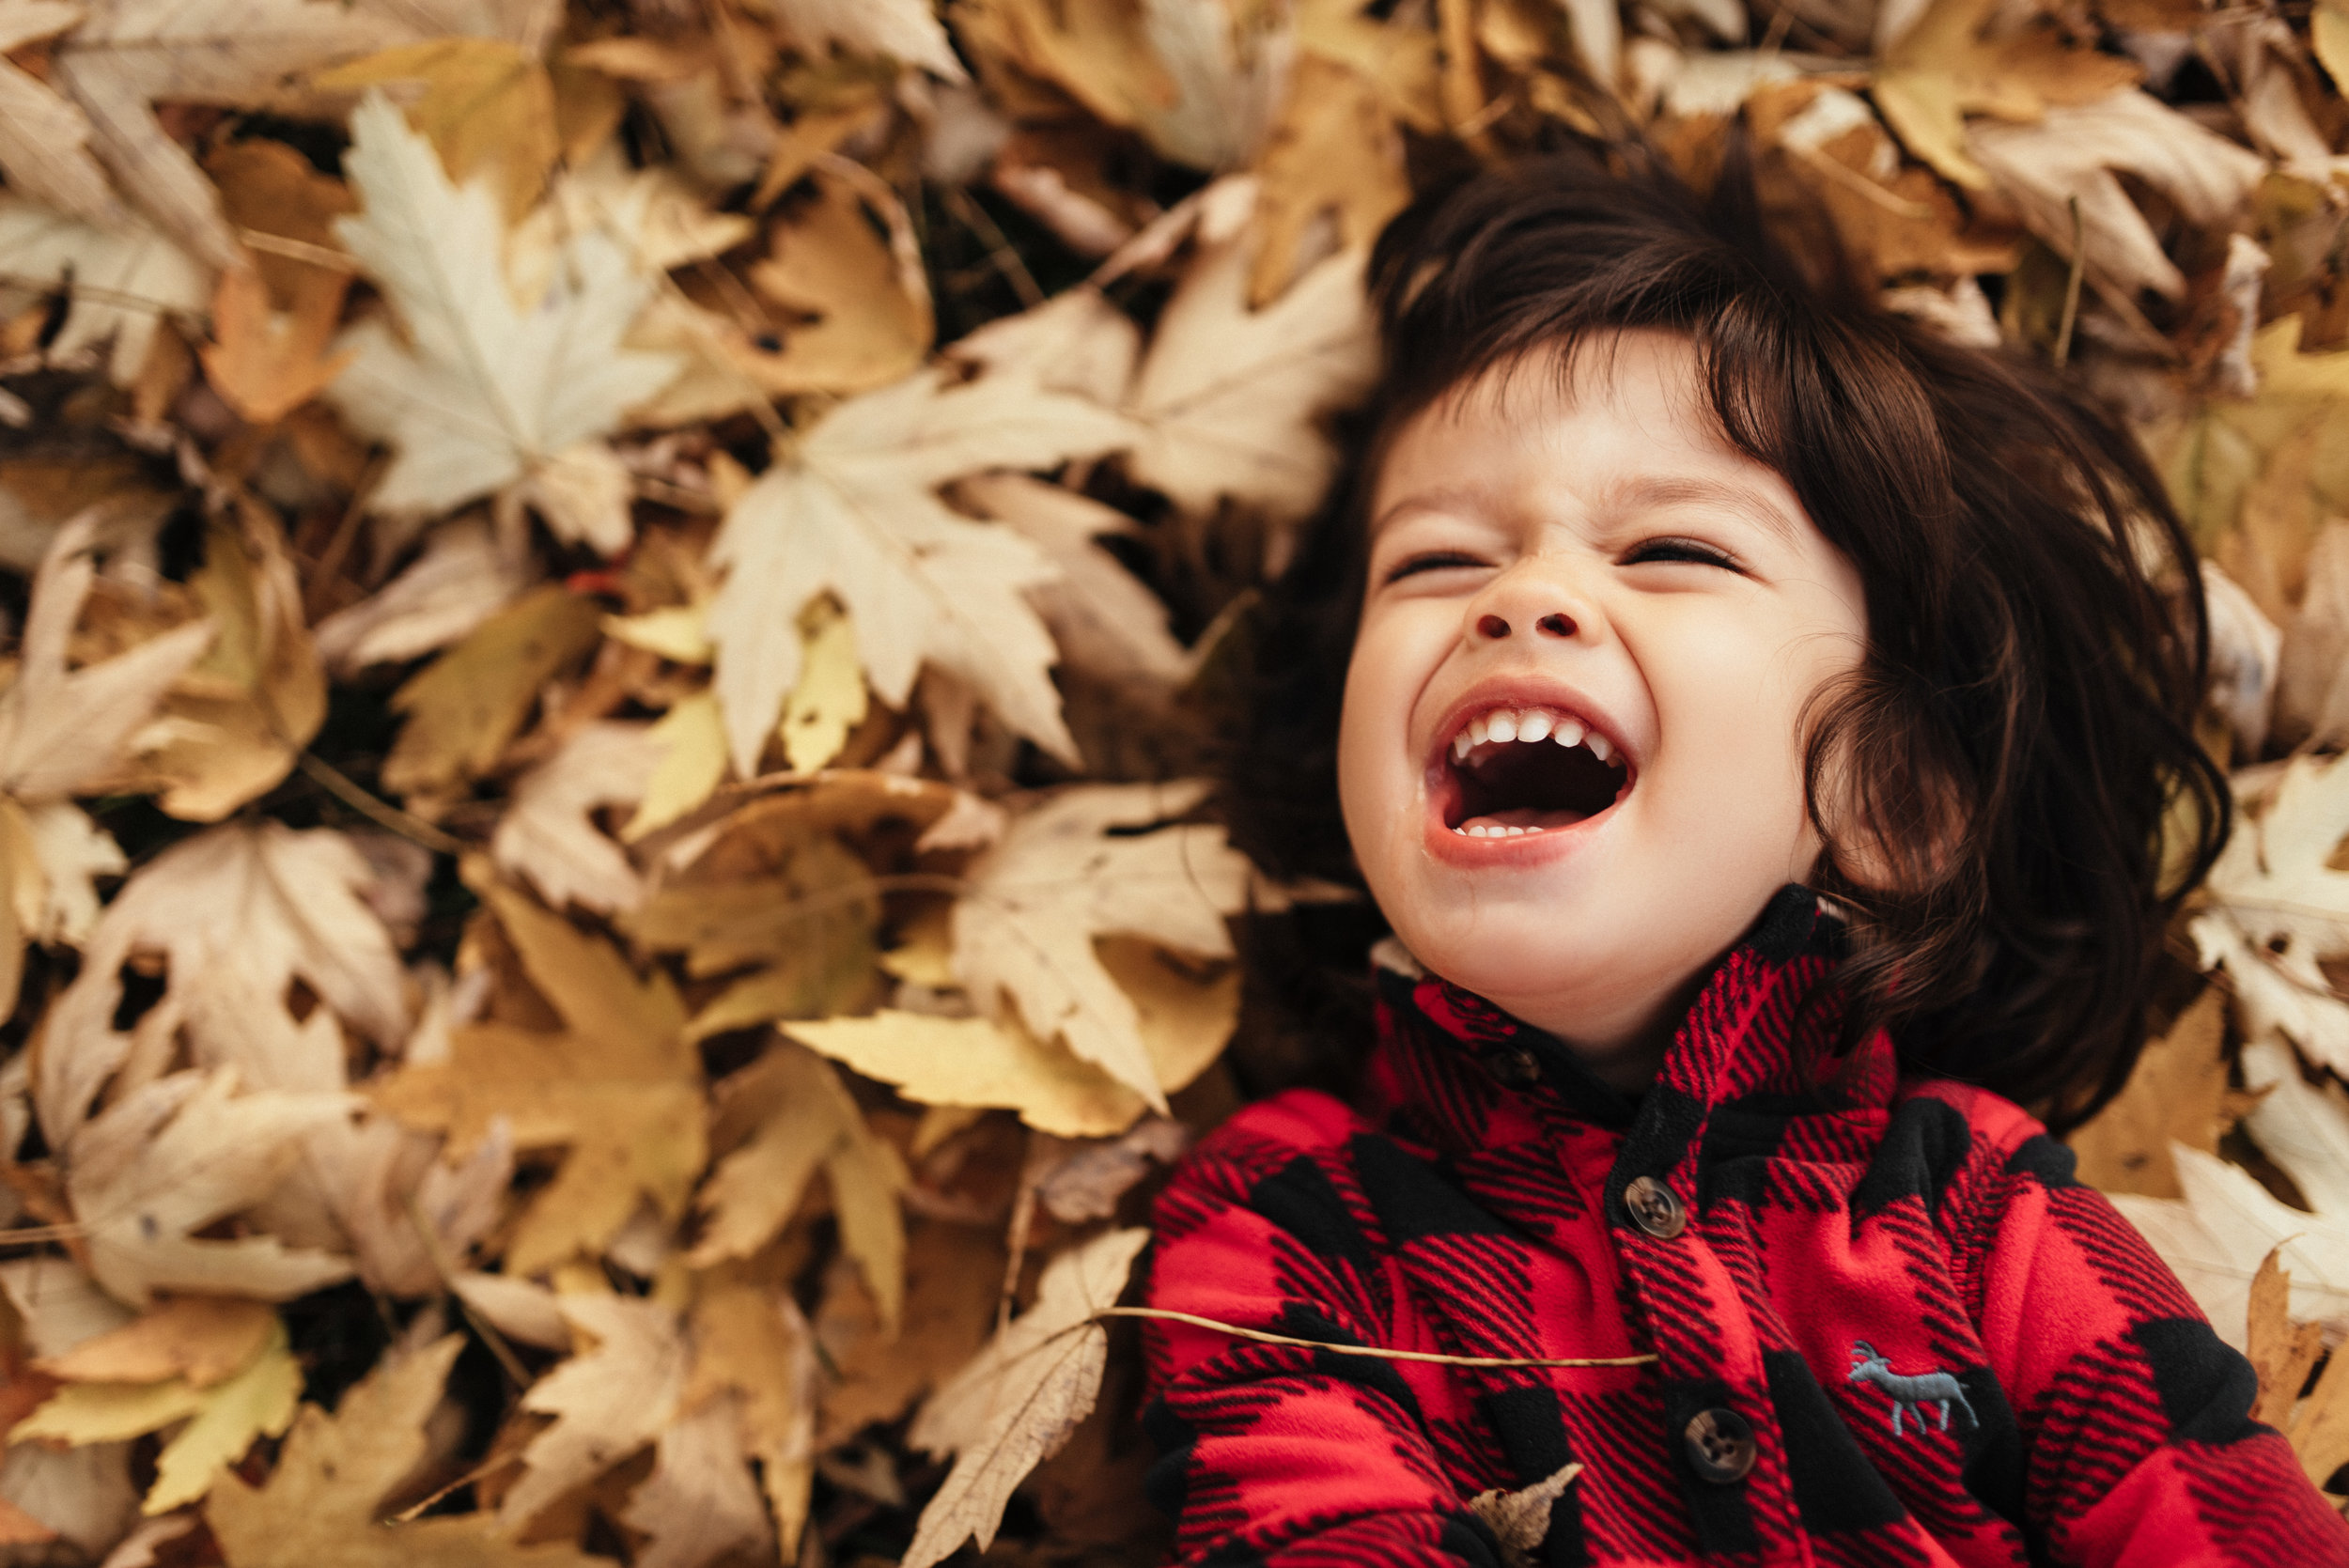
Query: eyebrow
(1641,495)
(1629,496)
(1442,498)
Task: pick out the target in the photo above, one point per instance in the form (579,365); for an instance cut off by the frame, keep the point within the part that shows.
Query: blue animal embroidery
(1911,1394)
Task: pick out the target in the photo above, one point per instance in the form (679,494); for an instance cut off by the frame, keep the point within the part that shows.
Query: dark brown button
(1719,1444)
(1514,1066)
(1655,1208)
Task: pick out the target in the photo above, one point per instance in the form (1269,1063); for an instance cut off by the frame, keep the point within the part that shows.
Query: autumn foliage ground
(611,613)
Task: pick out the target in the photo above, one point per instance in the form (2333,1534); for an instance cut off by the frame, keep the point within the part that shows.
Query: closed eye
(1692,552)
(1440,560)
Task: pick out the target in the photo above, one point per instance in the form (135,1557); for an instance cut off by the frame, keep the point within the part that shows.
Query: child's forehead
(1549,396)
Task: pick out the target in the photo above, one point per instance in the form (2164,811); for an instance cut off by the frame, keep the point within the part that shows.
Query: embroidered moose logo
(1911,1394)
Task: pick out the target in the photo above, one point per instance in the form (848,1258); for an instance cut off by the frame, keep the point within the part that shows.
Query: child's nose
(1555,624)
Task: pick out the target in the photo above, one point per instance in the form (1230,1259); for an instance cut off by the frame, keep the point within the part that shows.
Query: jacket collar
(1766,1023)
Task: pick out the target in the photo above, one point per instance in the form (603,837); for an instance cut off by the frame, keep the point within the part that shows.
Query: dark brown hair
(2014,765)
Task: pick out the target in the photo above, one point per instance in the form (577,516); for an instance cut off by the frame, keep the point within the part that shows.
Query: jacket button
(1719,1444)
(1514,1067)
(1655,1208)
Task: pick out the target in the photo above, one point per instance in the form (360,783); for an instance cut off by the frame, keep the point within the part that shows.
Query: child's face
(1602,558)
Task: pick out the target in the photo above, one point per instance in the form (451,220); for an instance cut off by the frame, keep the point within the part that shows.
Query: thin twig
(1375,1351)
(1001,256)
(382,813)
(299,250)
(2072,287)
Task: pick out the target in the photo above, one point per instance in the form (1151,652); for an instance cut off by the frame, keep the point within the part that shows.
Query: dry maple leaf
(2076,153)
(201,1338)
(954,1281)
(1025,931)
(178,1155)
(790,1116)
(459,580)
(129,53)
(853,510)
(322,1503)
(482,395)
(619,1088)
(121,283)
(982,1061)
(1335,153)
(43,139)
(548,832)
(1233,400)
(266,362)
(753,1349)
(233,726)
(2215,1237)
(2177,1093)
(907,30)
(2279,909)
(608,1400)
(221,1418)
(1944,67)
(467,705)
(1107,624)
(700,1503)
(2284,1353)
(1019,1399)
(1520,1520)
(238,913)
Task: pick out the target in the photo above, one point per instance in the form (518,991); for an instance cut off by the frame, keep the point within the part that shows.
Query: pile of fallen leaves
(604,917)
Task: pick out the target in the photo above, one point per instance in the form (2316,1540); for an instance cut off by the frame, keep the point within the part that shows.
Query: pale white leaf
(241,910)
(608,1400)
(1019,1398)
(2278,909)
(854,511)
(44,140)
(60,728)
(905,30)
(1025,932)
(548,832)
(460,579)
(2076,152)
(71,850)
(1107,623)
(479,393)
(1234,400)
(128,54)
(127,279)
(1520,1520)
(173,1157)
(2215,1237)
(516,1308)
(700,1503)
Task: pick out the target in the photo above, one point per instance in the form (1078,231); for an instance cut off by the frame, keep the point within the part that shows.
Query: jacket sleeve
(2139,1446)
(1280,1454)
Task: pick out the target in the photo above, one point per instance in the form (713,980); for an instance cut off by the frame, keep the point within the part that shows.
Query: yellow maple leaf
(221,1418)
(619,1088)
(323,1502)
(788,1115)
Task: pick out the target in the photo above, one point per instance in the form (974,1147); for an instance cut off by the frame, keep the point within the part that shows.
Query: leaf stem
(1375,1351)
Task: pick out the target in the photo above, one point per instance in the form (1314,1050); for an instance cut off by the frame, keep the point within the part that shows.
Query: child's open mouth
(1514,771)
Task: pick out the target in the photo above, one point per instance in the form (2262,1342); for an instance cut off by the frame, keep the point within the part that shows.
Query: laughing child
(1763,726)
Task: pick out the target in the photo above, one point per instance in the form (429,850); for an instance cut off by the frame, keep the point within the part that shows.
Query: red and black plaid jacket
(1889,1328)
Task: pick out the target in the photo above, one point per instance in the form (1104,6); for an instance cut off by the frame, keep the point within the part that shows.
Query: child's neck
(1620,1038)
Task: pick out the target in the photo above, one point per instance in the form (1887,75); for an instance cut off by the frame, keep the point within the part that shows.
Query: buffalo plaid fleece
(1891,1327)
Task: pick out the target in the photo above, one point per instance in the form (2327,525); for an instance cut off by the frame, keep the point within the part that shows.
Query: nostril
(1493,627)
(1557,625)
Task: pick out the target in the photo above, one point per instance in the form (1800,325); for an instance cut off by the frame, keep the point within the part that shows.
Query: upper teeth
(1530,723)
